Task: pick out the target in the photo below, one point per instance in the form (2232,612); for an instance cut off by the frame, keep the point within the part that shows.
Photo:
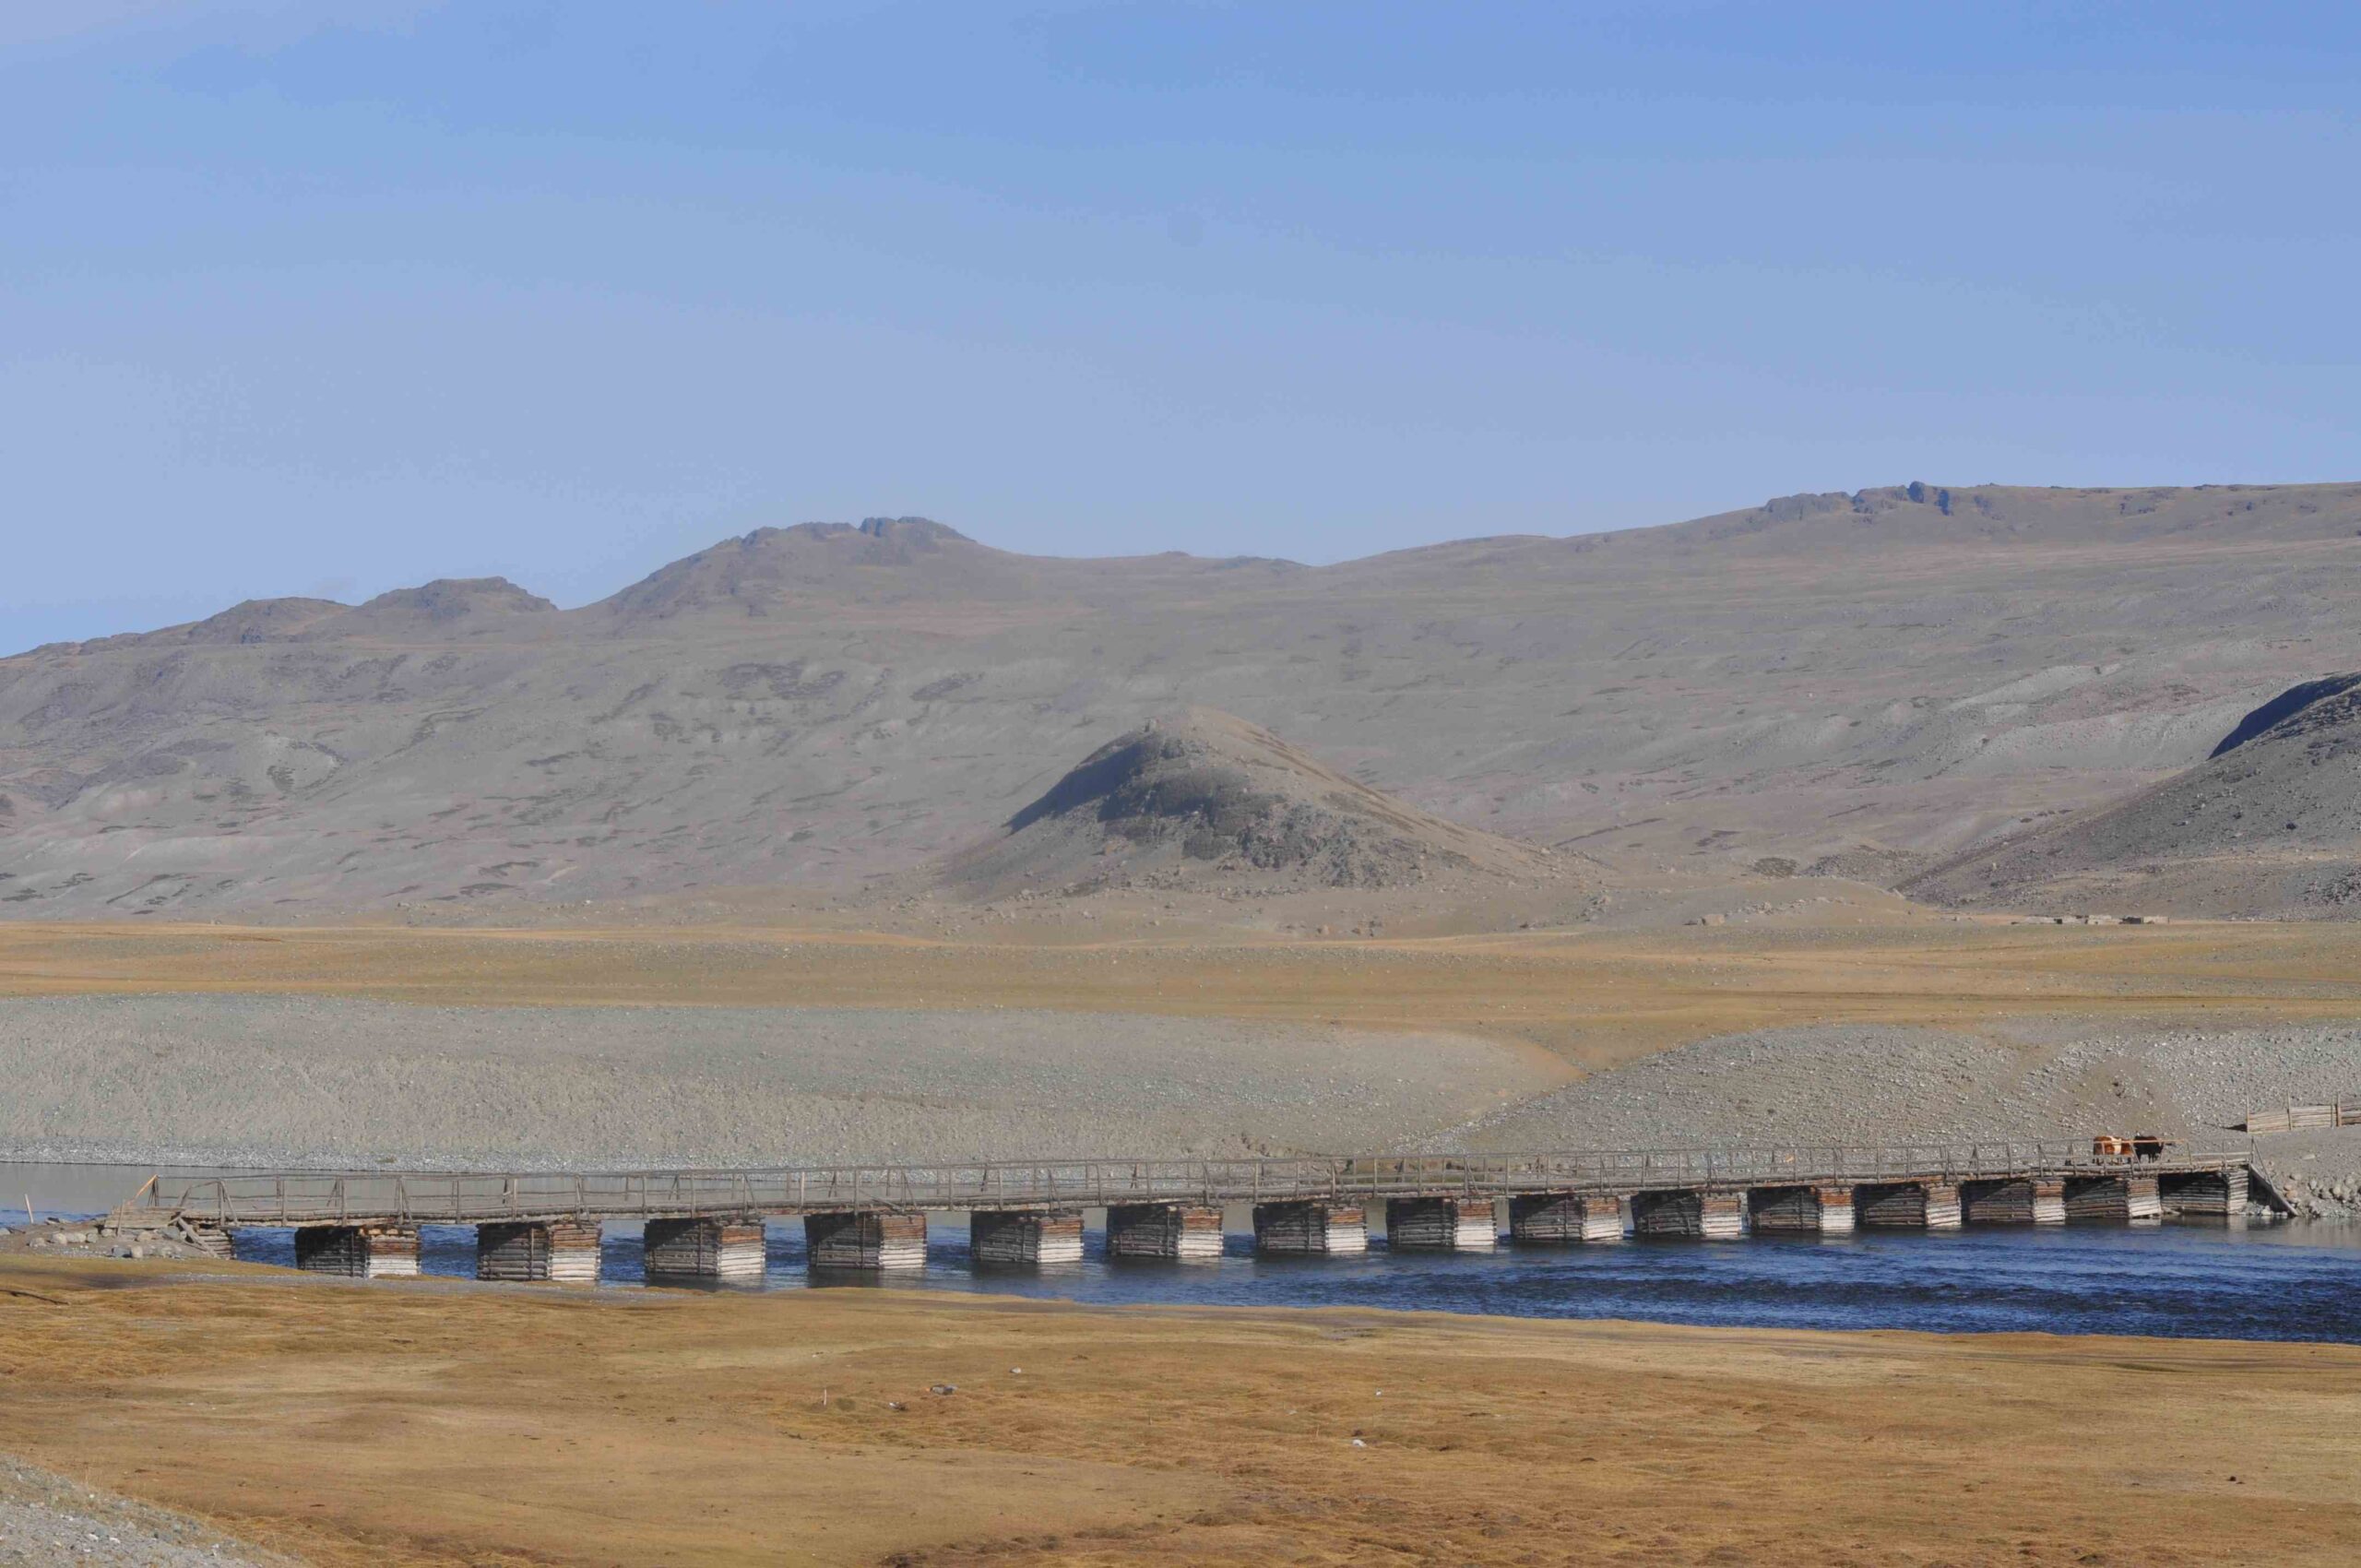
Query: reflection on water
(2272,1282)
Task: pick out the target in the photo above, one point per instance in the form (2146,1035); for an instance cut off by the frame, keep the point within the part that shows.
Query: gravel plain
(301,1081)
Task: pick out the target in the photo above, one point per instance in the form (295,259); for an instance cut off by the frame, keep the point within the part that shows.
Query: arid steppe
(1178,786)
(1593,998)
(873,844)
(424,1423)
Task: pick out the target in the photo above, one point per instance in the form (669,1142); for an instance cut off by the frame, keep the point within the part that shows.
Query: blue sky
(336,296)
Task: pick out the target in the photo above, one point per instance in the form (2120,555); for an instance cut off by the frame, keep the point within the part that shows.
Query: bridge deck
(471,1197)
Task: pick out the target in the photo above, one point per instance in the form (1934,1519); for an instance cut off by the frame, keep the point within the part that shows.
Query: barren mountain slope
(2270,824)
(1206,797)
(1874,677)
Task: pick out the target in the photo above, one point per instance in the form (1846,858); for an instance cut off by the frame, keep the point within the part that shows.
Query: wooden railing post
(461,1197)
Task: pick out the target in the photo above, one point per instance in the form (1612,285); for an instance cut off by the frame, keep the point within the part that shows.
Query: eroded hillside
(2269,824)
(1859,680)
(1205,797)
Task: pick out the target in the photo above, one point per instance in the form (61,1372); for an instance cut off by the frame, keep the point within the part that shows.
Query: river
(2187,1280)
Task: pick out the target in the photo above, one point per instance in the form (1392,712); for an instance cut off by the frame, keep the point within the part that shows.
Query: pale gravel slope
(276,1080)
(47,1521)
(1854,1083)
(1866,1084)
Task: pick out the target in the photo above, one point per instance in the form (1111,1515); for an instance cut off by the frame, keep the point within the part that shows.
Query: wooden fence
(2305,1118)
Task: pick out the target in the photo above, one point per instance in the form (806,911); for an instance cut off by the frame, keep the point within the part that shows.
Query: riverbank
(336,1082)
(437,1423)
(1869,1084)
(289,1082)
(357,1046)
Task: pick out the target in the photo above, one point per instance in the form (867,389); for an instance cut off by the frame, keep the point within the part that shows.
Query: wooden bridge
(708,1223)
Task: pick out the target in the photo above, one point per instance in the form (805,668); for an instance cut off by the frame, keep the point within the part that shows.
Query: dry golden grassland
(1595,999)
(432,1422)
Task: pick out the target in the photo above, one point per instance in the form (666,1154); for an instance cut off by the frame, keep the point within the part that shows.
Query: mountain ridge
(1856,680)
(2003,515)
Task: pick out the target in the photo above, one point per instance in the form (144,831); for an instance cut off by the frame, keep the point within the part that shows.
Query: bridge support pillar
(1711,1216)
(1457,1224)
(1314,1228)
(866,1239)
(562,1250)
(1668,1214)
(359,1251)
(1786,1210)
(1604,1219)
(1024,1235)
(1837,1212)
(1551,1218)
(2126,1197)
(1164,1231)
(2049,1200)
(704,1248)
(1890,1205)
(2002,1201)
(1942,1205)
(2213,1194)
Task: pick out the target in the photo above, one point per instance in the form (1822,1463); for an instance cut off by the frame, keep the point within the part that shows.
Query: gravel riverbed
(282,1081)
(1874,1084)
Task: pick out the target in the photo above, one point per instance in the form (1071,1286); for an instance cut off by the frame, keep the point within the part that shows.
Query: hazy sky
(339,295)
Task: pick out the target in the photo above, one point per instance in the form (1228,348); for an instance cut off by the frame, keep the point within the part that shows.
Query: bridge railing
(467,1197)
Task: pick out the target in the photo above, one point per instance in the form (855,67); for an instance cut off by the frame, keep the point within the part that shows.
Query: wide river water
(2189,1280)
